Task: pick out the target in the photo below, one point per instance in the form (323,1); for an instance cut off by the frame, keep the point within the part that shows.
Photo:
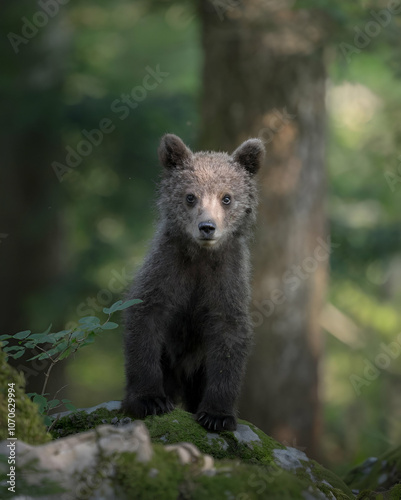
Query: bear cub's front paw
(141,407)
(216,423)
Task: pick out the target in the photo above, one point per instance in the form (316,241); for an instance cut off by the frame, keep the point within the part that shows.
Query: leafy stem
(58,346)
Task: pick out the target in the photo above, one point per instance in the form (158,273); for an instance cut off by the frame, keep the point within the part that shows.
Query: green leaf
(78,334)
(120,305)
(114,307)
(88,340)
(4,342)
(60,347)
(89,320)
(109,326)
(30,394)
(129,303)
(43,355)
(41,401)
(65,354)
(3,337)
(37,356)
(22,335)
(53,403)
(60,335)
(14,348)
(18,354)
(47,420)
(47,330)
(41,338)
(50,352)
(70,406)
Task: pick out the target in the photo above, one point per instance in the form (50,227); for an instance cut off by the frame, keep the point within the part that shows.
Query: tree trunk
(30,230)
(264,77)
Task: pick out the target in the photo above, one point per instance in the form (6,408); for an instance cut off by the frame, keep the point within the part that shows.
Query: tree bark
(264,76)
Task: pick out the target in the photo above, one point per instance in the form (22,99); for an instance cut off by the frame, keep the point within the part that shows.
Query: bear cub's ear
(173,152)
(250,155)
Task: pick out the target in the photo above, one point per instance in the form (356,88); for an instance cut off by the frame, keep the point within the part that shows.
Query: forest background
(319,83)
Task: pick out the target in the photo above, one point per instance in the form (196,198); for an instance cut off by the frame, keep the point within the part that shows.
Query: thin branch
(47,377)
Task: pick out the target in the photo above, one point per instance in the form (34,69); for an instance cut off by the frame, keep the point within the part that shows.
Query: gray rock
(213,437)
(82,456)
(245,434)
(125,421)
(110,405)
(289,458)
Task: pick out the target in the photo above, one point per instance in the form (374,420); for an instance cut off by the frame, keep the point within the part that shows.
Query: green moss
(249,482)
(389,464)
(395,492)
(322,474)
(338,493)
(29,426)
(46,486)
(368,495)
(161,477)
(179,426)
(164,477)
(81,421)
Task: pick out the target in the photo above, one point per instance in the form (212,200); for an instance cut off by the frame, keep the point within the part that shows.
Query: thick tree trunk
(264,77)
(30,230)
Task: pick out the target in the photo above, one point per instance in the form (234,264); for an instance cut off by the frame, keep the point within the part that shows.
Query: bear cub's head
(208,197)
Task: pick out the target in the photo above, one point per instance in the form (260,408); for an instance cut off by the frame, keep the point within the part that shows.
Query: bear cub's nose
(207,228)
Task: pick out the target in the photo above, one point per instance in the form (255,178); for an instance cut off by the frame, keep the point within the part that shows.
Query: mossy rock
(257,462)
(377,474)
(29,426)
(248,444)
(393,493)
(164,477)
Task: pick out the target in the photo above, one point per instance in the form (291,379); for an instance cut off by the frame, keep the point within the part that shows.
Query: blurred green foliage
(107,200)
(111,194)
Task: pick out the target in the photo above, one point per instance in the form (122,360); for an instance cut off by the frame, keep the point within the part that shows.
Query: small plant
(58,346)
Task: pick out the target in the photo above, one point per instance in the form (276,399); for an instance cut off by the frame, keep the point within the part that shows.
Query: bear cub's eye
(226,199)
(191,198)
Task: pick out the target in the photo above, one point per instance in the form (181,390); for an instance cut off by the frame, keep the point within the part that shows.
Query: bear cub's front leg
(225,364)
(144,393)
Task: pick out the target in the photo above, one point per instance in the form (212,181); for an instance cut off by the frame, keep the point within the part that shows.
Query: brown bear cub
(190,336)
